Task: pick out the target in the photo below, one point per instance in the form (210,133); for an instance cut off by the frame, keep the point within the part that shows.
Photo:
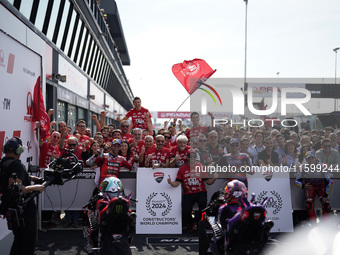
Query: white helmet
(113,186)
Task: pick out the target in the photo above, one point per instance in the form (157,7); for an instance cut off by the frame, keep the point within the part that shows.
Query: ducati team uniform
(237,161)
(46,151)
(193,133)
(194,189)
(66,138)
(138,148)
(138,117)
(321,186)
(183,154)
(146,153)
(110,165)
(158,156)
(126,136)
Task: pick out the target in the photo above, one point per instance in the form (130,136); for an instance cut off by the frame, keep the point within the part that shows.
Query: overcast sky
(293,37)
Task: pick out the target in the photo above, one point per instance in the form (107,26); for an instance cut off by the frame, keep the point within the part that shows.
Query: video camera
(65,167)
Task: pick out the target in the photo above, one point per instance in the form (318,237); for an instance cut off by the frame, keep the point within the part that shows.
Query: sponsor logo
(10,64)
(119,209)
(158,177)
(29,104)
(6,104)
(29,108)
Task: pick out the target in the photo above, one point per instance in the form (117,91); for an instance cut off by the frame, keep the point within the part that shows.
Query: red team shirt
(65,140)
(126,136)
(130,160)
(83,138)
(158,156)
(183,154)
(191,179)
(46,151)
(108,140)
(136,149)
(138,117)
(193,133)
(110,165)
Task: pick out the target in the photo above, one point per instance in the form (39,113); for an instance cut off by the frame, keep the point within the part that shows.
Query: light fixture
(91,97)
(60,77)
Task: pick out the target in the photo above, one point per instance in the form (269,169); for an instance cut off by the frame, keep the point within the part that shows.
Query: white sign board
(159,209)
(279,205)
(19,71)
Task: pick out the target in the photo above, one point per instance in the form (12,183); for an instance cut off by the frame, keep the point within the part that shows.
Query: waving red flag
(40,113)
(190,72)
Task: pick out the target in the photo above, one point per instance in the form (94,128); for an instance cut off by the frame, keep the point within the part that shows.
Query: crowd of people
(135,144)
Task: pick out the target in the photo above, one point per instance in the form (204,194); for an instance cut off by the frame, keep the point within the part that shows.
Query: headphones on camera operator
(14,145)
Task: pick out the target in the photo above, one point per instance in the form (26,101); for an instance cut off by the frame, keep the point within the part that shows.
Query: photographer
(25,234)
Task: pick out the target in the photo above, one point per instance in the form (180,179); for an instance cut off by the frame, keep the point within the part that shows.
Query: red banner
(40,113)
(190,72)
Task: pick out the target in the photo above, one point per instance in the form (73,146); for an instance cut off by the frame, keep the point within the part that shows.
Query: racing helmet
(112,186)
(235,190)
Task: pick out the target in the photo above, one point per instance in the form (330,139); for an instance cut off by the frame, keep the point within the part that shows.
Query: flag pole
(200,83)
(179,107)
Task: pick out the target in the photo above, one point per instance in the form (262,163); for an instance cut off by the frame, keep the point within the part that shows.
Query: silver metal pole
(335,99)
(245,57)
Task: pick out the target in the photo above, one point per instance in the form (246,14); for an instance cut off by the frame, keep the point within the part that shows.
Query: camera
(65,167)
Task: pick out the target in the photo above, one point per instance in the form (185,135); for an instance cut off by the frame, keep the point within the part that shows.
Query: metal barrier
(75,193)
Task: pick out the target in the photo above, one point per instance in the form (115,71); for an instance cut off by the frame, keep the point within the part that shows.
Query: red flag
(40,113)
(190,72)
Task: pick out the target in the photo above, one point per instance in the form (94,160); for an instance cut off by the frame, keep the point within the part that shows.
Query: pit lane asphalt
(71,242)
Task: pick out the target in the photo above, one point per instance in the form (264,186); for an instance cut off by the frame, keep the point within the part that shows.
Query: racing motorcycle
(233,225)
(111,223)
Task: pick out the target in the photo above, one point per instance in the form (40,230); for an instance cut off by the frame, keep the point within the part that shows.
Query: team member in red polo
(149,143)
(110,163)
(178,154)
(124,127)
(167,142)
(136,143)
(105,132)
(140,116)
(64,133)
(193,186)
(159,156)
(196,129)
(81,128)
(50,150)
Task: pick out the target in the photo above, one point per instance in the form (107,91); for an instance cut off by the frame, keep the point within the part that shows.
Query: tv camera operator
(14,178)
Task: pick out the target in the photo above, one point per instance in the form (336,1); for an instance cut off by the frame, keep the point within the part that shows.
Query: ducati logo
(158,176)
(268,175)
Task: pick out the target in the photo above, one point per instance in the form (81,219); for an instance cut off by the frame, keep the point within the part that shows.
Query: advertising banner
(18,77)
(159,205)
(275,186)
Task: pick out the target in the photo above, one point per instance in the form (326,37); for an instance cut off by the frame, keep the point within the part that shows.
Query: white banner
(159,209)
(279,205)
(19,70)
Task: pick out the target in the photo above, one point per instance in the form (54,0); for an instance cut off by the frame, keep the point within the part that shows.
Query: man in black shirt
(25,236)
